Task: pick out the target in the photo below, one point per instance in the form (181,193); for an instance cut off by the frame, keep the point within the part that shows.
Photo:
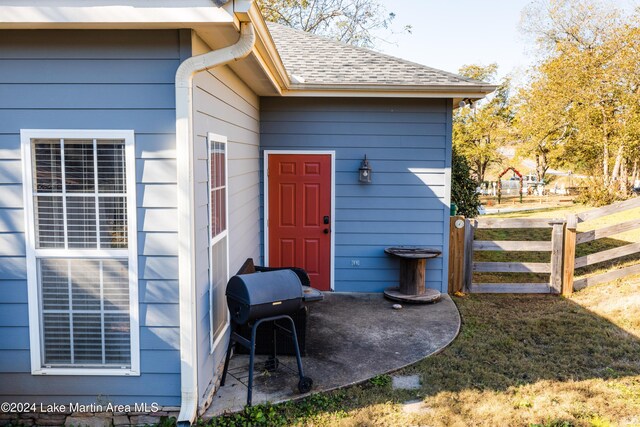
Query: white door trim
(265,236)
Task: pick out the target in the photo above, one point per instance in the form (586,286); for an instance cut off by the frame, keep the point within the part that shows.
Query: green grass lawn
(520,360)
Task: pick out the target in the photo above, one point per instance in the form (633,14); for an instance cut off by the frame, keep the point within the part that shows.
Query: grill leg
(295,344)
(252,352)
(226,359)
(275,339)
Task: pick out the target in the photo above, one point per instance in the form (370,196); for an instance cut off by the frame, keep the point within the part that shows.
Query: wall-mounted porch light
(365,171)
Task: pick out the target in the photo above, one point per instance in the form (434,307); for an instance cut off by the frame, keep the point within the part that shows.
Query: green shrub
(463,186)
(596,194)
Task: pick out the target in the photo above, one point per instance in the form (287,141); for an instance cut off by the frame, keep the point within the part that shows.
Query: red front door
(299,214)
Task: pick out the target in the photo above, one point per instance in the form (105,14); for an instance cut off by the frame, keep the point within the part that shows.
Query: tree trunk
(543,166)
(482,169)
(634,173)
(605,165)
(624,177)
(605,154)
(616,172)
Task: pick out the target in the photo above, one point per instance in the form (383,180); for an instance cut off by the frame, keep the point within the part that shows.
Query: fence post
(555,281)
(456,254)
(469,231)
(569,255)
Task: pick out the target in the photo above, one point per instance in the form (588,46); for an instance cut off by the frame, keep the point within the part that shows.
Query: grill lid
(265,288)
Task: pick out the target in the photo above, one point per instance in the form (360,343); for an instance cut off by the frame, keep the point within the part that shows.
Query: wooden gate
(562,246)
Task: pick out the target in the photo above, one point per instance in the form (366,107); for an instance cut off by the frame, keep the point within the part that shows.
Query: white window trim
(214,342)
(26,135)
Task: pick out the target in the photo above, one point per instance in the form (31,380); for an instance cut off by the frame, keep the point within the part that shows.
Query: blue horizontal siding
(94,80)
(15,361)
(163,291)
(416,177)
(10,171)
(146,121)
(299,142)
(13,268)
(87,96)
(408,143)
(155,219)
(365,214)
(387,227)
(390,166)
(354,117)
(358,128)
(13,291)
(14,314)
(158,267)
(14,338)
(160,338)
(159,314)
(157,195)
(11,220)
(95,44)
(379,260)
(11,196)
(88,71)
(159,362)
(352,105)
(12,244)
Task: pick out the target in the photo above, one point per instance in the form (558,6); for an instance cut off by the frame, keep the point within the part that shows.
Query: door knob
(325,231)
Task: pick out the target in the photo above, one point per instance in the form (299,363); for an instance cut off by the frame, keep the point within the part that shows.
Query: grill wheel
(304,385)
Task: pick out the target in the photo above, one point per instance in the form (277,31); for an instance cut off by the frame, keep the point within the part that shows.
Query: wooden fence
(562,246)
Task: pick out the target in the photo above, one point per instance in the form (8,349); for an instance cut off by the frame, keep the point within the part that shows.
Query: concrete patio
(351,338)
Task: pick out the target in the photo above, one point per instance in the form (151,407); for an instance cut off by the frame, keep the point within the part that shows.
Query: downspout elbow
(235,52)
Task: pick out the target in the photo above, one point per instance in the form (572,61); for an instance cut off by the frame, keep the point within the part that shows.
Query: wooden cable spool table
(413,262)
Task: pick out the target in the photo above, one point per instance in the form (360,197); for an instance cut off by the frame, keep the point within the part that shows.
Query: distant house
(132,187)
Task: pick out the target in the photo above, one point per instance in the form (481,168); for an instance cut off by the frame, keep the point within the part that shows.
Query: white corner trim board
(186,211)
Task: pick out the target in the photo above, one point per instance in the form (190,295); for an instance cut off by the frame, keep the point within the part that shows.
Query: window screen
(80,188)
(219,264)
(85,312)
(80,207)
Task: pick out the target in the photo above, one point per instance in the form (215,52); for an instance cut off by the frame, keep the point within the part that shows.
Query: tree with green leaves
(538,130)
(584,98)
(349,21)
(481,129)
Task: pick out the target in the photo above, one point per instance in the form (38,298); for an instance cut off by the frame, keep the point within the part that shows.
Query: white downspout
(186,201)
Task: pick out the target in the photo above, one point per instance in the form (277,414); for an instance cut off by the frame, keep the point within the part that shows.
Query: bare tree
(349,21)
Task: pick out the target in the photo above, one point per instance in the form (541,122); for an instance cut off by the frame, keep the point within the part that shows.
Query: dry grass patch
(520,360)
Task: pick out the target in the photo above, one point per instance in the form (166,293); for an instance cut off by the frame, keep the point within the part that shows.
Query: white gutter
(186,211)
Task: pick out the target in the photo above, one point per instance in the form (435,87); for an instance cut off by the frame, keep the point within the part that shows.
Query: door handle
(325,231)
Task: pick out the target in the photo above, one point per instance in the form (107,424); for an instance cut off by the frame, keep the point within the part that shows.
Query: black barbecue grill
(268,296)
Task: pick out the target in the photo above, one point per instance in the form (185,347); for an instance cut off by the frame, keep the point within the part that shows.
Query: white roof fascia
(387,92)
(103,14)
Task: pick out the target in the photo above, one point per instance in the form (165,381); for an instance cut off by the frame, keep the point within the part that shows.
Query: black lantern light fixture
(365,171)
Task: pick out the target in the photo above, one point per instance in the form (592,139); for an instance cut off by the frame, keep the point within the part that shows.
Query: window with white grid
(218,235)
(80,203)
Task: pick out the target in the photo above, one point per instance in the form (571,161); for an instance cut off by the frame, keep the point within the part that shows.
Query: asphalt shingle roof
(321,61)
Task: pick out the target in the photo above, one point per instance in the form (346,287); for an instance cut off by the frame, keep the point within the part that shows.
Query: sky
(447,34)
